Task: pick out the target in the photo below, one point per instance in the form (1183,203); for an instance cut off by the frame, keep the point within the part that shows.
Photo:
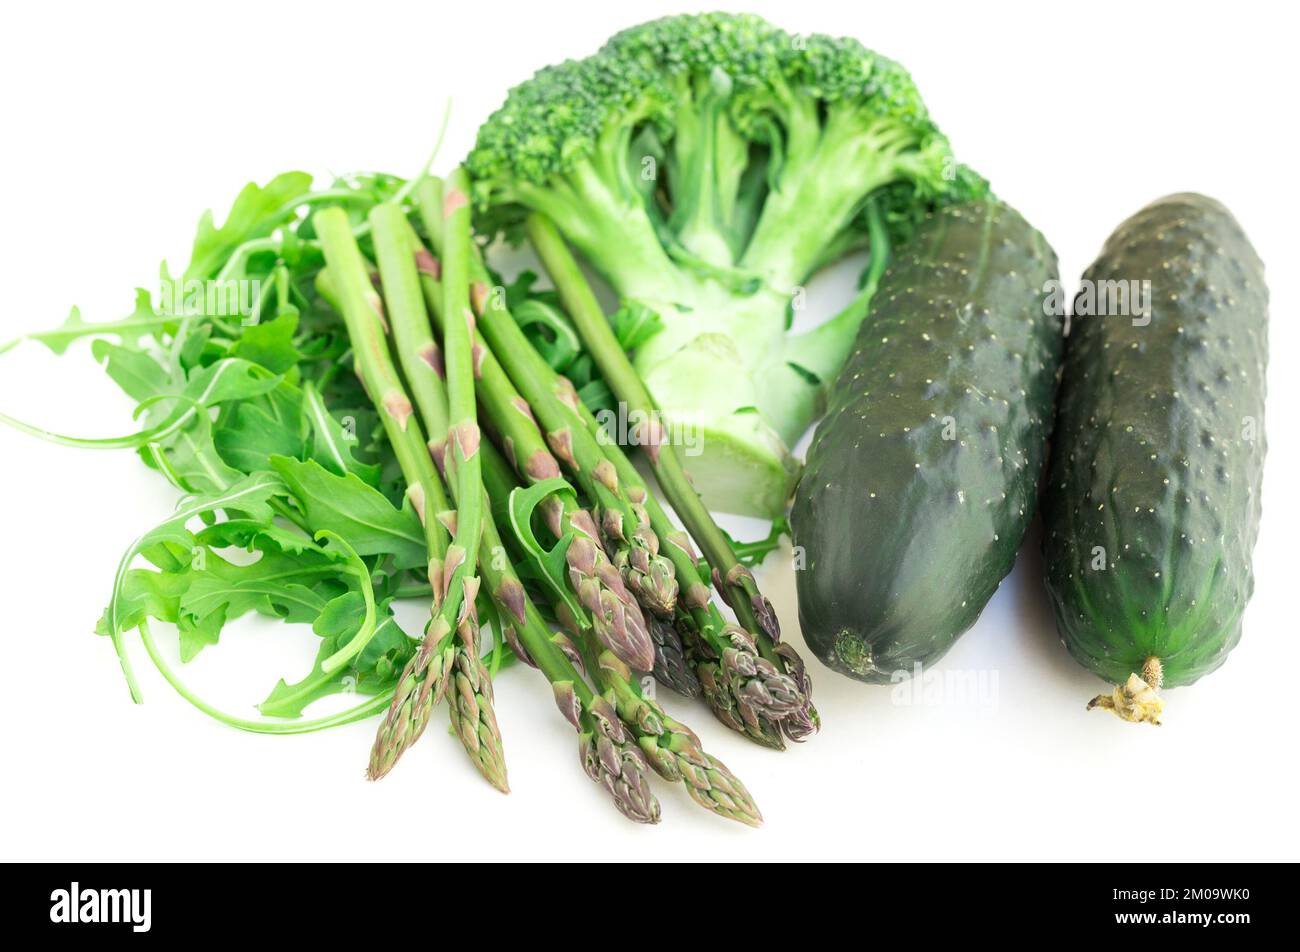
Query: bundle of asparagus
(754,683)
(611,556)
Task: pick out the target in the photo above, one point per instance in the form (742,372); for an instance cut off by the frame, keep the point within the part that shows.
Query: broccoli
(707,166)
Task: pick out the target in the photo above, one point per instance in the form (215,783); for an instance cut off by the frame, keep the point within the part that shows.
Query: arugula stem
(358,713)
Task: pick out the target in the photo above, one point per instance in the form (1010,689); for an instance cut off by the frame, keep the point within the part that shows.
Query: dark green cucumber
(922,478)
(1153,500)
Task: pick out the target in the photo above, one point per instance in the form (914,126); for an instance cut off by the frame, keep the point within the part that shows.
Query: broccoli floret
(707,166)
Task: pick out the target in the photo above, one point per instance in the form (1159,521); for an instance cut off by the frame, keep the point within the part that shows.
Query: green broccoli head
(707,166)
(715,148)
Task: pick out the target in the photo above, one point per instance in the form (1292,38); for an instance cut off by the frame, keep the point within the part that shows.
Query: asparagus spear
(462,466)
(745,691)
(608,755)
(612,610)
(425,679)
(672,668)
(623,773)
(623,522)
(732,579)
(672,749)
(471,708)
(418,353)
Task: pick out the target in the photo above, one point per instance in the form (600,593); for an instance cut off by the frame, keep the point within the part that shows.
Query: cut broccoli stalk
(707,167)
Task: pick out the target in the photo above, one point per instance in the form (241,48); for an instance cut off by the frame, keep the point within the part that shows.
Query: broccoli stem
(823,349)
(820,192)
(612,229)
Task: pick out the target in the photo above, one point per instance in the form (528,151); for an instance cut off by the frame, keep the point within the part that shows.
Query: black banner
(216,900)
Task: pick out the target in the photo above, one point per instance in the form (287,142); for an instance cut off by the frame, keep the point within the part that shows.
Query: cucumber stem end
(1137,699)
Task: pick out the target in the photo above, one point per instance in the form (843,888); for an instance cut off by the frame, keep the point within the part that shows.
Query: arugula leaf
(250,432)
(549,329)
(138,374)
(753,553)
(282,400)
(230,379)
(258,210)
(357,512)
(189,459)
(270,343)
(290,700)
(250,534)
(146,594)
(370,621)
(182,445)
(250,497)
(144,321)
(635,323)
(196,633)
(372,671)
(198,349)
(276,585)
(332,444)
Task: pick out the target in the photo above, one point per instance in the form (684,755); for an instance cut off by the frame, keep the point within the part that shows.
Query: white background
(122,122)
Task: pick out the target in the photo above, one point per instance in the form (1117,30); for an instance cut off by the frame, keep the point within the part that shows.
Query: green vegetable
(671,748)
(757,657)
(471,704)
(610,608)
(708,166)
(745,691)
(277,456)
(922,478)
(672,669)
(448,654)
(624,525)
(1153,499)
(609,756)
